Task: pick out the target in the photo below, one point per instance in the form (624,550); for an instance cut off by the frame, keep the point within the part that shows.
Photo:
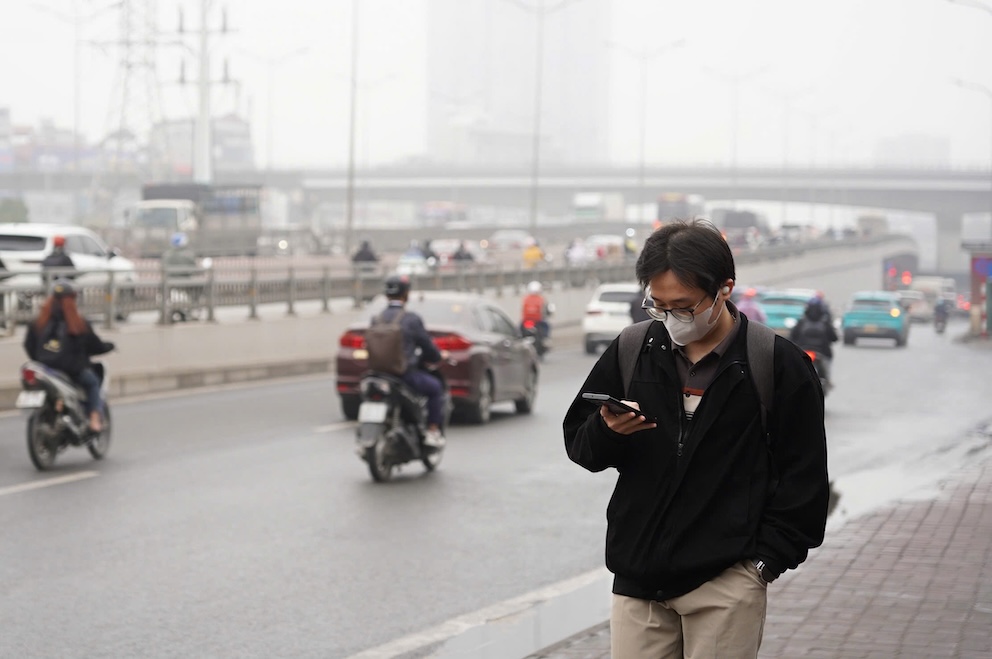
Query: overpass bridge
(948,194)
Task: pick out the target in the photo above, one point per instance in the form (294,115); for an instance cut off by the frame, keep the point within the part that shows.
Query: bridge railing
(180,294)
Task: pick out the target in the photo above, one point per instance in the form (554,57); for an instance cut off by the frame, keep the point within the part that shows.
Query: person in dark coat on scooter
(68,348)
(815,332)
(415,335)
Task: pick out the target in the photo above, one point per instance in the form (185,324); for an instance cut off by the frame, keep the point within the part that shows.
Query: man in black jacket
(708,508)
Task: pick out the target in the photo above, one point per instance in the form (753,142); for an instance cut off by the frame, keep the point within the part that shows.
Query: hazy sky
(861,69)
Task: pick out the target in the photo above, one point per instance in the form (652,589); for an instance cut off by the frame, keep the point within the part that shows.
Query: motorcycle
(939,324)
(58,419)
(392,423)
(186,293)
(530,330)
(821,370)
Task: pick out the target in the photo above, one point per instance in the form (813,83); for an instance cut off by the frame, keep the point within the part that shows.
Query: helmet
(58,241)
(179,240)
(397,286)
(534,287)
(815,308)
(63,288)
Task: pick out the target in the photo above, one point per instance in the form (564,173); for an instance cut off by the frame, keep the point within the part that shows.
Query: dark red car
(488,361)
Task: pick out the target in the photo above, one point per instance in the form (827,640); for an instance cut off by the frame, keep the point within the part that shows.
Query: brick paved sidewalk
(911,580)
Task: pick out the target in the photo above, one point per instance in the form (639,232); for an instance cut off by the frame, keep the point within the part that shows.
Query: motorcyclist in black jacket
(815,332)
(80,342)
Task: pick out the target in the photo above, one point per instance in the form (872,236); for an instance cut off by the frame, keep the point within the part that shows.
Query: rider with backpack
(392,341)
(815,332)
(62,339)
(723,492)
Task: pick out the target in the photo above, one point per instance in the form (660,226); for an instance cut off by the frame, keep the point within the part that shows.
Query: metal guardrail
(200,292)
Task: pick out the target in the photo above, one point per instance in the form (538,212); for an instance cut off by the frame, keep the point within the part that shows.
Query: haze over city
(873,79)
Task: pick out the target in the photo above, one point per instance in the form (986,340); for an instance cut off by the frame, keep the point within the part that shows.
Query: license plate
(30,399)
(372,412)
(871,328)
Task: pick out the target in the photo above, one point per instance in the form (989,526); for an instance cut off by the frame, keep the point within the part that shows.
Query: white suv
(607,313)
(23,246)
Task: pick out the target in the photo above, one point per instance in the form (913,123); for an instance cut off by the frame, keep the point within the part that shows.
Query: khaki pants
(724,618)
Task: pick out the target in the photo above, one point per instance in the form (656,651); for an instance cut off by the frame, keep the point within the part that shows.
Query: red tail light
(812,355)
(594,312)
(352,340)
(452,342)
(29,377)
(529,324)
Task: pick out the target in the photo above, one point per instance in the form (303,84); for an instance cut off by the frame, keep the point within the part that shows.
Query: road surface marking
(344,425)
(508,608)
(48,482)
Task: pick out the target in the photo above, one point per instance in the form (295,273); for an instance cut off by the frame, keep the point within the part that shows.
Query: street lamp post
(350,198)
(735,80)
(272,63)
(541,11)
(787,99)
(643,57)
(77,20)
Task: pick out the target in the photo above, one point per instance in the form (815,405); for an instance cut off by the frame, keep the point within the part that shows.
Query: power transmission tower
(135,106)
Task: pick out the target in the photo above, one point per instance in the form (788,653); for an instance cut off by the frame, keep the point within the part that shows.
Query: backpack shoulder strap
(631,340)
(761,360)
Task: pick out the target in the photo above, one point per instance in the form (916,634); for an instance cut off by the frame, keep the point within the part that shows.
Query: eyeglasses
(686,315)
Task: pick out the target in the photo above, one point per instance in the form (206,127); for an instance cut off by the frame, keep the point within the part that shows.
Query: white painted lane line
(333,427)
(489,615)
(48,482)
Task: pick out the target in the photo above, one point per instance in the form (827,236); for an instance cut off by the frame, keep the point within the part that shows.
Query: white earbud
(725,290)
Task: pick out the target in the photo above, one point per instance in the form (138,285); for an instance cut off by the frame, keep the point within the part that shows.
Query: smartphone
(616,405)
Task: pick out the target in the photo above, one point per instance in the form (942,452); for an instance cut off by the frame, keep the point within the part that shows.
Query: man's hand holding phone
(621,416)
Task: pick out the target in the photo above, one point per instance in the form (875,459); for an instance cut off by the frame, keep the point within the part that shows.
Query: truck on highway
(219,220)
(743,229)
(872,225)
(678,206)
(598,207)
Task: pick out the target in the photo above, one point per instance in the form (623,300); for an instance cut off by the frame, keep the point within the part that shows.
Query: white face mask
(685,333)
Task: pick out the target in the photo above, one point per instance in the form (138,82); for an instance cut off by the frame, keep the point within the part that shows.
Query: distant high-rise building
(481,77)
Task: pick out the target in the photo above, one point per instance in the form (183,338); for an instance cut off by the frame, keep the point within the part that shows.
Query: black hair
(694,251)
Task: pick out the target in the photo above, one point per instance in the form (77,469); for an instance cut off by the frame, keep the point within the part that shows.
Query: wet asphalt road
(239,522)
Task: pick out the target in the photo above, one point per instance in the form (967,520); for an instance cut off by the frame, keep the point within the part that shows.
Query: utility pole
(735,80)
(540,11)
(203,165)
(202,162)
(787,98)
(643,57)
(76,19)
(350,200)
